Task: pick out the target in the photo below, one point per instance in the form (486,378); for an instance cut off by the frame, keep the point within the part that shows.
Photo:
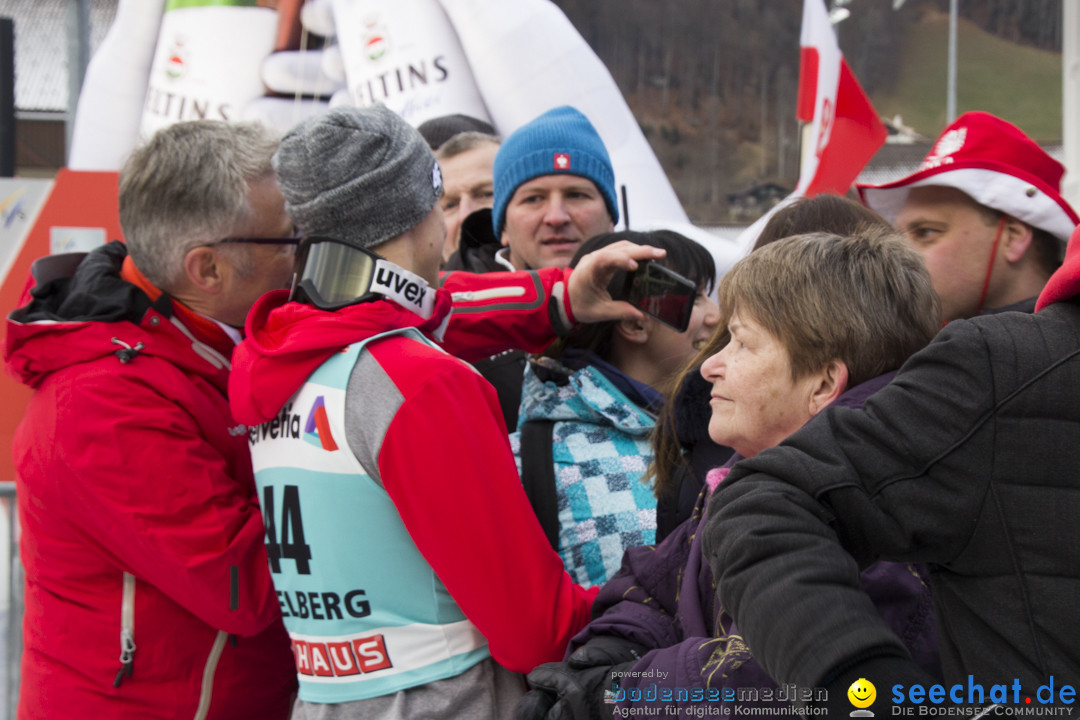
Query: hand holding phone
(662,293)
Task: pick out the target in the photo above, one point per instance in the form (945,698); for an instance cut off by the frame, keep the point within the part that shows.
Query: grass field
(1020,84)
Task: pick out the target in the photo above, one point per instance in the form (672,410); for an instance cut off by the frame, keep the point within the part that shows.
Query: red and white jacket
(141,532)
(445,458)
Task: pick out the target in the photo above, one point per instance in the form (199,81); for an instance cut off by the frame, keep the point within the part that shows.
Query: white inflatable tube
(295,72)
(528,58)
(111,103)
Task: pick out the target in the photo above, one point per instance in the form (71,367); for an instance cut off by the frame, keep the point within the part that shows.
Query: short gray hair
(464,142)
(188,186)
(864,298)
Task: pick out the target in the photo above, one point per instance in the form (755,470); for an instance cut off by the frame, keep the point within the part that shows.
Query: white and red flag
(845,130)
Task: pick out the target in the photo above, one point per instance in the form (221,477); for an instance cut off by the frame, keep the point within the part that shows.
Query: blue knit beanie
(561,141)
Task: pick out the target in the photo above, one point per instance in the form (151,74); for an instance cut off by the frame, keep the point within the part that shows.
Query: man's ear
(1016,238)
(205,269)
(504,240)
(636,330)
(829,384)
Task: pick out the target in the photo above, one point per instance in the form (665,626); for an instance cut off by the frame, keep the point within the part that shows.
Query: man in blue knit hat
(554,189)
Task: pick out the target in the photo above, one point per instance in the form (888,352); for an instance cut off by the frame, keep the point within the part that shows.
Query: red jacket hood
(83,310)
(287,341)
(1065,283)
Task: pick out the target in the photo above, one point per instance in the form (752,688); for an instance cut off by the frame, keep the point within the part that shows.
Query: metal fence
(13,629)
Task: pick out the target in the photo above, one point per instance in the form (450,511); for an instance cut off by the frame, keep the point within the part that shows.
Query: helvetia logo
(284,425)
(317,428)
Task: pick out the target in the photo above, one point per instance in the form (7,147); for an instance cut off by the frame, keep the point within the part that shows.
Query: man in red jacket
(147,591)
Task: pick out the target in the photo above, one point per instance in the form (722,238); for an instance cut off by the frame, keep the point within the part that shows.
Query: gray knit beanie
(360,175)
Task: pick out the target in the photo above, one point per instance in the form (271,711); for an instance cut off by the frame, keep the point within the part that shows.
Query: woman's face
(669,350)
(755,403)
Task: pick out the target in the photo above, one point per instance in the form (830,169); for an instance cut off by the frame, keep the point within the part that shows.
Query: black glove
(606,650)
(560,692)
(575,690)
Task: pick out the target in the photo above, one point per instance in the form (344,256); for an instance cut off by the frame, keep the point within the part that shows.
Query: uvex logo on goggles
(405,288)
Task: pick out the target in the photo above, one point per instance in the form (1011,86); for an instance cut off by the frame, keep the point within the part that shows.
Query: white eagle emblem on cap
(949,143)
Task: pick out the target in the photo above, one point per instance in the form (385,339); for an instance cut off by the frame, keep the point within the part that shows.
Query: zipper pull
(127,656)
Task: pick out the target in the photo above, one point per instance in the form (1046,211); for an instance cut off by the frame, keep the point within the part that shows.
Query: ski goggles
(332,274)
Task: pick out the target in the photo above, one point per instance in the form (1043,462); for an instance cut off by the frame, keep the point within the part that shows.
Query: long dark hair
(684,256)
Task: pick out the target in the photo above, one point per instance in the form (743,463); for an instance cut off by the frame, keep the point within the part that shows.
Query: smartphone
(662,293)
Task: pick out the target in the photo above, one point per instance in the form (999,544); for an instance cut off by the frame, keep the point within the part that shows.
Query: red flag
(845,129)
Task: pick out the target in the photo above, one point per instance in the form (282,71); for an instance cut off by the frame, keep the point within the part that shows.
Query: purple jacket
(664,598)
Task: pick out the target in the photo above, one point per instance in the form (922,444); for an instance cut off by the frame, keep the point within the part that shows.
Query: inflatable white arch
(503,61)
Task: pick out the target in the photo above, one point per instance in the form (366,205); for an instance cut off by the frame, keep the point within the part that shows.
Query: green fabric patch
(178,4)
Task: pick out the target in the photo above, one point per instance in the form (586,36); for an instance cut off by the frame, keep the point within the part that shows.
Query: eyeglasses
(295,240)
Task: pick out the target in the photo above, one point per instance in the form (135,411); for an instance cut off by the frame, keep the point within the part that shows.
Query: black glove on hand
(560,692)
(574,690)
(606,650)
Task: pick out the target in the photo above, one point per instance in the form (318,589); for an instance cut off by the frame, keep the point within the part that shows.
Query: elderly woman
(814,320)
(683,450)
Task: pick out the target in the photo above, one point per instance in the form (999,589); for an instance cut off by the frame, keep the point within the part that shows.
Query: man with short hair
(554,189)
(147,588)
(986,213)
(466,160)
(384,468)
(439,130)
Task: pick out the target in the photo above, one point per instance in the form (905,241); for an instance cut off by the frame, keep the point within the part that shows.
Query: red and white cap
(994,163)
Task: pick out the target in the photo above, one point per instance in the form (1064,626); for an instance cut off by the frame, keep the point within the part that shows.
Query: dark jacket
(478,247)
(967,462)
(690,413)
(665,599)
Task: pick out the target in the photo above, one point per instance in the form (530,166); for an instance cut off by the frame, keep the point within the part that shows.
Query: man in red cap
(985,211)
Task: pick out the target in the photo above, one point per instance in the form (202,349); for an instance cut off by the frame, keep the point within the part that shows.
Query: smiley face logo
(862,693)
